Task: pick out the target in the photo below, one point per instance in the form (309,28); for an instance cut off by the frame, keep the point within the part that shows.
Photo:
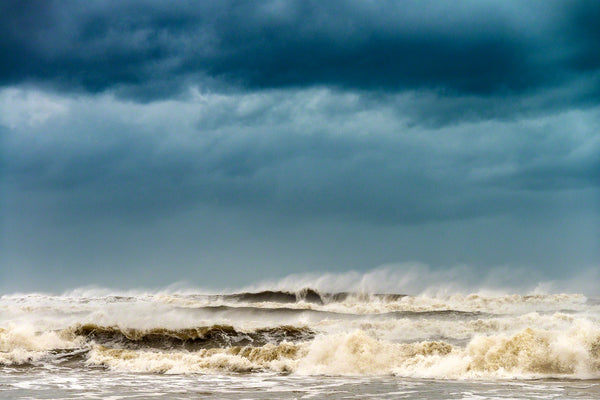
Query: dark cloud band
(151,50)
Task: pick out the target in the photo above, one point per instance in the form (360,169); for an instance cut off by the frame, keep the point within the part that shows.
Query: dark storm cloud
(154,49)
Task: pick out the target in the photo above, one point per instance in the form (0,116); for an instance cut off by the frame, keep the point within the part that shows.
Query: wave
(377,303)
(214,336)
(308,331)
(305,299)
(316,315)
(530,353)
(270,357)
(23,345)
(307,295)
(527,354)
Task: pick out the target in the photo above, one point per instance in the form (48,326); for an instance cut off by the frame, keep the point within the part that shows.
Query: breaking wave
(308,295)
(23,345)
(190,338)
(526,354)
(307,332)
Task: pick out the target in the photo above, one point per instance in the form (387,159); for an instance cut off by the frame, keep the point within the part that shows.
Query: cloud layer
(152,50)
(304,153)
(290,136)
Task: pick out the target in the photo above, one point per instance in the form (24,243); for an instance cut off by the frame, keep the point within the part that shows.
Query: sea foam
(308,332)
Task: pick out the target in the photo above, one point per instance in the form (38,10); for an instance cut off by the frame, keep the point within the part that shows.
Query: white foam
(21,344)
(279,358)
(477,335)
(530,353)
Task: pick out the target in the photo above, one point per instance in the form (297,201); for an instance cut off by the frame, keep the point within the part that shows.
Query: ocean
(278,344)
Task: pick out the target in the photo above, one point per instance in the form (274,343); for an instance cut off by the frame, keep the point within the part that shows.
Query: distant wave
(307,295)
(287,311)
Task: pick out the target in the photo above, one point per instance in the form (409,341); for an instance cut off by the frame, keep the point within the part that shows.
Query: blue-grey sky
(224,142)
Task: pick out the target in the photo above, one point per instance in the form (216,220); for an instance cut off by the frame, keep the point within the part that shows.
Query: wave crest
(189,338)
(23,345)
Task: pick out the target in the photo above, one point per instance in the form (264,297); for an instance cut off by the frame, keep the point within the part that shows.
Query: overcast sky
(222,143)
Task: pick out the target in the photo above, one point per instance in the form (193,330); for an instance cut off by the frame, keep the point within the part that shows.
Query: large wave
(307,331)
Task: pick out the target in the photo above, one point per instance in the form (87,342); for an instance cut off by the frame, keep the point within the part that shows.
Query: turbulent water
(303,344)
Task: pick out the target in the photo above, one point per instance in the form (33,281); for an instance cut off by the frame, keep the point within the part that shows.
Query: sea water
(278,344)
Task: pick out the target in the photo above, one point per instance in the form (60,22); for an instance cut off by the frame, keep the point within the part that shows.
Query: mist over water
(300,328)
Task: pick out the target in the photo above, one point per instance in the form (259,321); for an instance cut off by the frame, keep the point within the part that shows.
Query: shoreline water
(370,344)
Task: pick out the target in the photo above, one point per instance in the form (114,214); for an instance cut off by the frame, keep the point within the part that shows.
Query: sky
(221,143)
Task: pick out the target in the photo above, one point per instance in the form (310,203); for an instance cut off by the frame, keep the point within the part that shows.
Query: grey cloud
(292,158)
(229,188)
